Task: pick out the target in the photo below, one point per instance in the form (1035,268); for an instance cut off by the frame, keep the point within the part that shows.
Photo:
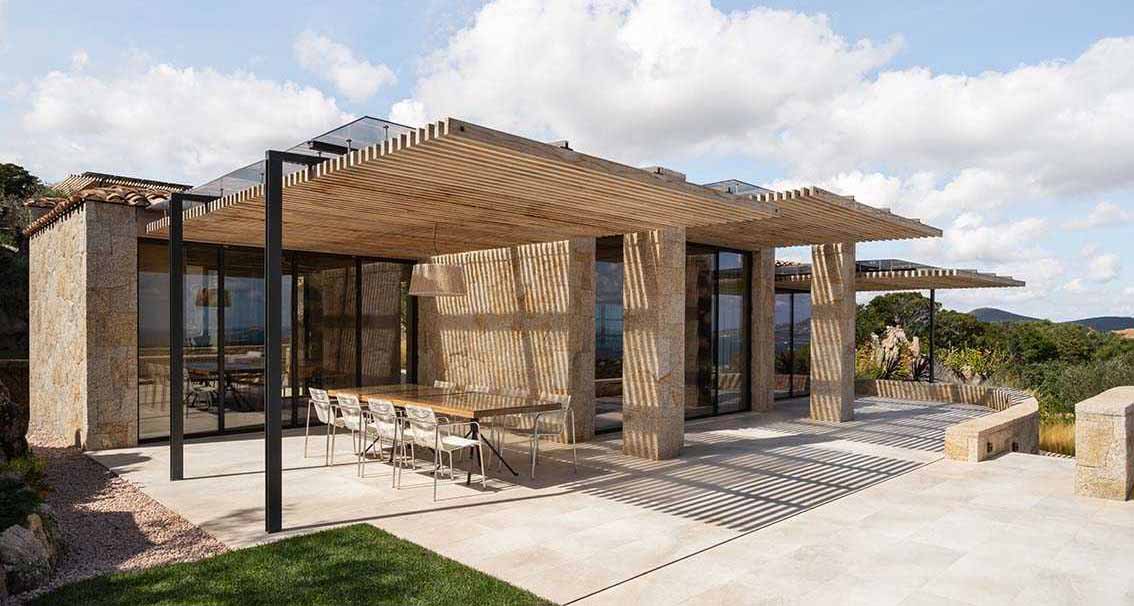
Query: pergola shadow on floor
(618,517)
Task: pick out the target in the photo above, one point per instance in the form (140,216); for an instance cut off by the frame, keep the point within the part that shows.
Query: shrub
(973,366)
(1059,385)
(892,356)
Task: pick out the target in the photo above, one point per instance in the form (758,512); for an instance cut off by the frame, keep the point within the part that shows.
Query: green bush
(1060,385)
(17,500)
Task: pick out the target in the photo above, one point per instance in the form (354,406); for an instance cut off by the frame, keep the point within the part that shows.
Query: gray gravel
(106,524)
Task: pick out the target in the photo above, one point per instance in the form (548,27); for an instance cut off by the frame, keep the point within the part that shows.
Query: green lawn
(353,565)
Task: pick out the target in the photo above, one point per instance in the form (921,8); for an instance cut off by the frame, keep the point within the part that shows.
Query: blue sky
(1007,124)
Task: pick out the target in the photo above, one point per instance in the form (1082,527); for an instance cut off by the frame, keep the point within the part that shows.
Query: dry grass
(1058,435)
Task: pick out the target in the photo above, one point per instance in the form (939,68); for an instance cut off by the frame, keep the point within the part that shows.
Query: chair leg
(334,430)
(483,471)
(574,447)
(436,466)
(327,446)
(307,430)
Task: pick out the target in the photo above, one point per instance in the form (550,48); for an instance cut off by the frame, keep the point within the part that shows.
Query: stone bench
(1014,429)
(1104,445)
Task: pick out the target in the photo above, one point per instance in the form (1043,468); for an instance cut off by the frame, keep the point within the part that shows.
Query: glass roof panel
(359,133)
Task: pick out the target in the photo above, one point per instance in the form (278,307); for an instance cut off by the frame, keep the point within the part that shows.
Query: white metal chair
(423,429)
(349,417)
(382,425)
(501,425)
(321,402)
(443,384)
(554,423)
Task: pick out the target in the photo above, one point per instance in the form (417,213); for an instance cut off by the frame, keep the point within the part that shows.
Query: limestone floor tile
(924,598)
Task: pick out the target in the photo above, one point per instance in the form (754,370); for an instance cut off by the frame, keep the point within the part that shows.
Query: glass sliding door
(717,324)
(202,309)
(731,332)
(700,321)
(153,340)
(323,340)
(793,344)
(608,333)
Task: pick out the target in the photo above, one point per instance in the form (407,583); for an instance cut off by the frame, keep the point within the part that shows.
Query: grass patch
(356,564)
(1058,435)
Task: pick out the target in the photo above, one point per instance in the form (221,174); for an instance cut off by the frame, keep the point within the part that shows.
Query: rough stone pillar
(763,363)
(1104,445)
(581,336)
(84,327)
(832,331)
(653,344)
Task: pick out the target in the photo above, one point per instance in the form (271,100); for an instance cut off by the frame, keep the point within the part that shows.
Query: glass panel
(244,338)
(801,381)
(383,345)
(608,333)
(326,312)
(699,313)
(731,332)
(153,340)
(201,307)
(783,328)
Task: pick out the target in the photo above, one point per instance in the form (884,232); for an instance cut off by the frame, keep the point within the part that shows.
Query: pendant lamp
(437,279)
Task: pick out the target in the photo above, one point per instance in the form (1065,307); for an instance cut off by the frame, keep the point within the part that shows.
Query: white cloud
(352,76)
(1103,268)
(1104,214)
(971,238)
(165,122)
(631,79)
(1075,286)
(79,59)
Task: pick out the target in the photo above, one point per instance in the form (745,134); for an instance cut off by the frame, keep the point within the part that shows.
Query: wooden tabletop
(452,402)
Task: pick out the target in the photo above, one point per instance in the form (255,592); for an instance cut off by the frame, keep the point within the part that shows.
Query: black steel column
(176,342)
(273,333)
(222,378)
(932,329)
(294,370)
(358,322)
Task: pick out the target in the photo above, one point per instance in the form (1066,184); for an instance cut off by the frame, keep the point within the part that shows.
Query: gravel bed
(107,524)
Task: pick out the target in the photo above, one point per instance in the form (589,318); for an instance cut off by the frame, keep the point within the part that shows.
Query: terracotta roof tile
(141,197)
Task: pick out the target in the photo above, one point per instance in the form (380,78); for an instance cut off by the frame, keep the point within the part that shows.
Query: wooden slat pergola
(813,216)
(479,188)
(455,187)
(929,278)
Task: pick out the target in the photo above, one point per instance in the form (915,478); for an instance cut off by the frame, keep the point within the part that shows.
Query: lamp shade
(437,280)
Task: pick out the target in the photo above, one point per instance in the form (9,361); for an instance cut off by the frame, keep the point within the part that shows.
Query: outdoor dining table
(454,402)
(234,370)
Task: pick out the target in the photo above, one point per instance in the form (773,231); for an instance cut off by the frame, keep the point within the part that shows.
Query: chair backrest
(513,392)
(478,388)
(564,400)
(442,384)
(421,426)
(322,403)
(384,415)
(352,411)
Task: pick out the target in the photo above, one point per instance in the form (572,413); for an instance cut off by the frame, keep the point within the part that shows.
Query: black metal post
(932,329)
(358,322)
(176,342)
(222,378)
(273,332)
(295,381)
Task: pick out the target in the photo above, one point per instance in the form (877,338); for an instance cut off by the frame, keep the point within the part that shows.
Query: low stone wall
(996,398)
(1104,445)
(1014,429)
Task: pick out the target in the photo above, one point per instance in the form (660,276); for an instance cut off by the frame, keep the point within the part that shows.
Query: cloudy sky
(1010,125)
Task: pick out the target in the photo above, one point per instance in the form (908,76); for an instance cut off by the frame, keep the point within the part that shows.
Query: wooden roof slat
(911,279)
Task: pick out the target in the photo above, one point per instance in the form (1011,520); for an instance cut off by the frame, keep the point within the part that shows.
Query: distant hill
(1107,323)
(1101,323)
(991,314)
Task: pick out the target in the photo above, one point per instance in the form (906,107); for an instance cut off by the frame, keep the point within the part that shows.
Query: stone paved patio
(760,509)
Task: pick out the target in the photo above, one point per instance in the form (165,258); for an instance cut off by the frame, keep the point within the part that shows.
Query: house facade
(645,328)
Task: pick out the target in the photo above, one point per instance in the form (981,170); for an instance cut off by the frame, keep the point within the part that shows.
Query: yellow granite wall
(528,321)
(84,325)
(653,408)
(833,311)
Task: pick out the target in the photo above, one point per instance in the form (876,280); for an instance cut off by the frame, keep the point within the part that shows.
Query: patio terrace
(759,508)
